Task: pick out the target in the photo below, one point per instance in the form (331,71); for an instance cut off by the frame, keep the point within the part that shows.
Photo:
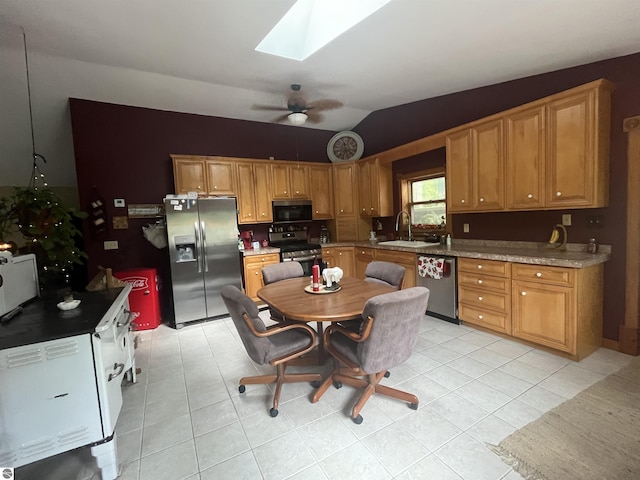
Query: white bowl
(68,305)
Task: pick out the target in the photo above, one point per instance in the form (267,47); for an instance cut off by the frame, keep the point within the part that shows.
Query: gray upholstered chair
(385,272)
(389,333)
(275,345)
(280,271)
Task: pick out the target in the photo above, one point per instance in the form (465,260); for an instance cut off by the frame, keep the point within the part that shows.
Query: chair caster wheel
(413,406)
(316,384)
(337,384)
(273,412)
(357,420)
(242,388)
(387,374)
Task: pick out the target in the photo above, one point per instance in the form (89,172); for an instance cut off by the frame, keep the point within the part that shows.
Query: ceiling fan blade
(281,118)
(322,105)
(314,117)
(269,108)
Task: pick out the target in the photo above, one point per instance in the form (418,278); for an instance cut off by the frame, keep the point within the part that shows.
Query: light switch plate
(566,219)
(118,202)
(465,228)
(110,244)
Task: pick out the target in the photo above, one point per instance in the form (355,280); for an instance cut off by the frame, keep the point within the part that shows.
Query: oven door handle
(119,367)
(300,259)
(130,316)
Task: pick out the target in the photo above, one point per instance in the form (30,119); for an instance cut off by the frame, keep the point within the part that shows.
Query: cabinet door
(407,260)
(365,196)
(363,256)
(221,177)
(346,192)
(321,191)
(262,185)
(487,167)
(299,175)
(459,198)
(526,153)
(544,314)
(570,162)
(246,194)
(344,258)
(189,176)
(280,181)
(253,273)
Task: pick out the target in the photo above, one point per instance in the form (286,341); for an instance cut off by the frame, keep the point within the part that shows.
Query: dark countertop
(41,320)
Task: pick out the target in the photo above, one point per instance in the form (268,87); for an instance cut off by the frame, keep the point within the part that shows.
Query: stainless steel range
(293,246)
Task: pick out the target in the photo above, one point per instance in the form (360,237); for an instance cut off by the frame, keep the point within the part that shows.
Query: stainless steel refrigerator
(204,256)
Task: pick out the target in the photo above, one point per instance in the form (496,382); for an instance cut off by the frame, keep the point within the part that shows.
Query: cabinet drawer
(364,253)
(484,282)
(401,258)
(489,267)
(499,322)
(544,274)
(252,260)
(495,301)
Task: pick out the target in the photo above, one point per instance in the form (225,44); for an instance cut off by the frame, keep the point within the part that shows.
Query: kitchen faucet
(408,223)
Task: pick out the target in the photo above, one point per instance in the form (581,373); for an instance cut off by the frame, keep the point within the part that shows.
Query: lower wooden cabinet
(484,293)
(407,259)
(364,256)
(253,272)
(343,257)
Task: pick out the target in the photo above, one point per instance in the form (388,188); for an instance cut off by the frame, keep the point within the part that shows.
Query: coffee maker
(324,234)
(247,238)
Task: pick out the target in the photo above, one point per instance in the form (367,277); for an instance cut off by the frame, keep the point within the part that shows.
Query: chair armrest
(356,337)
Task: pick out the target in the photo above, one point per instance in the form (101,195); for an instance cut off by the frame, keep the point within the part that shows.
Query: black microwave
(292,211)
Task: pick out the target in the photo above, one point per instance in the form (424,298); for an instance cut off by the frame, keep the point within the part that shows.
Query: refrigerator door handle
(198,246)
(203,233)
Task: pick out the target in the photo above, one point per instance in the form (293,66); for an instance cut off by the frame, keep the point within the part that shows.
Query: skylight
(310,24)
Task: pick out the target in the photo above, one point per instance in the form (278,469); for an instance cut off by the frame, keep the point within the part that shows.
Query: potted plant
(48,228)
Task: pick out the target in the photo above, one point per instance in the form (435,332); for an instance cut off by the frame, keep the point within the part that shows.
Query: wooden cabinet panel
(300,182)
(487,169)
(254,193)
(489,267)
(544,314)
(346,189)
(570,167)
(458,173)
(189,175)
(364,256)
(246,199)
(342,257)
(484,282)
(253,265)
(406,259)
(289,181)
(375,188)
(280,181)
(500,302)
(262,181)
(321,187)
(490,319)
(541,273)
(221,177)
(526,157)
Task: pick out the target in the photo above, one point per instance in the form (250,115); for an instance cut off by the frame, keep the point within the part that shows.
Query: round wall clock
(345,146)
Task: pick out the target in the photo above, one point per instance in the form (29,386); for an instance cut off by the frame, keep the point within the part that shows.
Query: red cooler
(144,299)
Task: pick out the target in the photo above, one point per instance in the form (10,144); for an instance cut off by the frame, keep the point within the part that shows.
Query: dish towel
(431,267)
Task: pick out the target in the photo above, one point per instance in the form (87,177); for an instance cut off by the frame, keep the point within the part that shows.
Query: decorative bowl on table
(68,305)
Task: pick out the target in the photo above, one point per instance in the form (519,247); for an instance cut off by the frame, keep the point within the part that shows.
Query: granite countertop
(41,320)
(533,253)
(260,251)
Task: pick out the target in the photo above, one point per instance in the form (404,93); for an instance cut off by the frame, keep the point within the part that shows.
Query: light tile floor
(185,419)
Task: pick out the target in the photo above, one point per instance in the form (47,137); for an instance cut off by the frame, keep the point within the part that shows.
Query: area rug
(593,436)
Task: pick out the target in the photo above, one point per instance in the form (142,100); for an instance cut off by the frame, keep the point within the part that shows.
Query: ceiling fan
(299,110)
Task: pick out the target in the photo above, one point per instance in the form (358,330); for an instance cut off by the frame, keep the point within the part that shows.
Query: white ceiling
(408,50)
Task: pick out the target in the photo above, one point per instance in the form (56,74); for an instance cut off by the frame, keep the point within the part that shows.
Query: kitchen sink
(407,243)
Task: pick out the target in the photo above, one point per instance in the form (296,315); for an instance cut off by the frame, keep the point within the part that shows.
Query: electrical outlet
(118,202)
(595,221)
(566,219)
(110,244)
(465,228)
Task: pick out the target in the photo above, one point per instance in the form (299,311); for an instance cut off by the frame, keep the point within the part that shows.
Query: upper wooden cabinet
(552,155)
(290,181)
(254,186)
(375,189)
(206,175)
(346,189)
(321,187)
(475,168)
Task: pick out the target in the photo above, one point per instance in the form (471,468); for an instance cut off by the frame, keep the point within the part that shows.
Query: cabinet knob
(480,298)
(372,209)
(256,273)
(462,201)
(479,267)
(340,254)
(285,192)
(558,194)
(481,199)
(480,317)
(538,274)
(297,192)
(529,196)
(263,214)
(524,294)
(341,211)
(479,282)
(215,187)
(248,214)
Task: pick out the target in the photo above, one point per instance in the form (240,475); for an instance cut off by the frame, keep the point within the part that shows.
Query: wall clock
(345,146)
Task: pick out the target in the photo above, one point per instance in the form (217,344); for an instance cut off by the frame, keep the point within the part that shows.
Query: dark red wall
(394,126)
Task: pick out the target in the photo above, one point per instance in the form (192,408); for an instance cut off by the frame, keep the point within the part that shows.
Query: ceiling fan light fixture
(297,118)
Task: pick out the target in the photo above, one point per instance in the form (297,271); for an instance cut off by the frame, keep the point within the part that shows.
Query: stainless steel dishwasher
(443,297)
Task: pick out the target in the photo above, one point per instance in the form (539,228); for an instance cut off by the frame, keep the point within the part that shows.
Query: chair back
(396,323)
(281,271)
(385,272)
(238,305)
